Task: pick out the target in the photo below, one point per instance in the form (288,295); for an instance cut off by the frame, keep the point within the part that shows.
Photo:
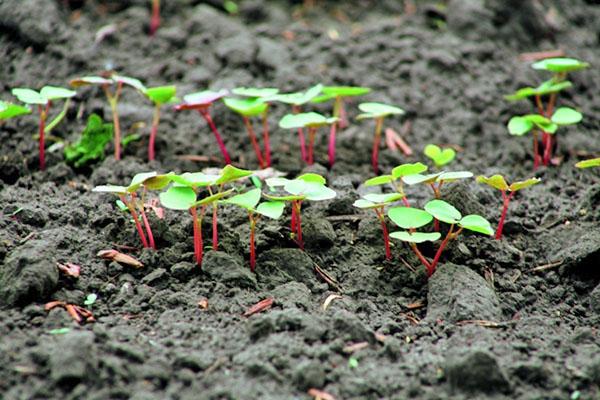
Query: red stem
(296,110)
(155,20)
(198,245)
(147,226)
(293,221)
(405,201)
(215,229)
(206,115)
(505,201)
(252,136)
(343,116)
(386,237)
(42,130)
(536,155)
(421,258)
(298,205)
(312,131)
(138,226)
(438,254)
(252,239)
(266,140)
(153,132)
(376,143)
(332,132)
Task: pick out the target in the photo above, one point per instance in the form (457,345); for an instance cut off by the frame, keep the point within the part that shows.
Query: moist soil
(508,319)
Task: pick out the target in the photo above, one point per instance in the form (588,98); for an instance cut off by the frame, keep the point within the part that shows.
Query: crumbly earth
(508,319)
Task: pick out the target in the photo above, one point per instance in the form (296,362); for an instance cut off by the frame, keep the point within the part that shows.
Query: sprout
(412,219)
(560,65)
(395,179)
(10,110)
(498,182)
(249,202)
(593,162)
(43,99)
(202,101)
(256,103)
(183,195)
(90,146)
(158,95)
(338,94)
(438,156)
(311,121)
(378,202)
(155,18)
(297,100)
(305,187)
(112,97)
(378,112)
(129,197)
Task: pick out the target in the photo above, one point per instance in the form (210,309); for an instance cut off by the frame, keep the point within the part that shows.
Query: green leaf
(416,237)
(202,99)
(454,175)
(443,211)
(194,179)
(383,198)
(29,96)
(56,93)
(523,184)
(547,87)
(158,182)
(495,181)
(110,189)
(409,217)
(59,331)
(476,223)
(10,110)
(230,174)
(310,190)
(139,179)
(213,198)
(378,110)
(90,299)
(379,180)
(419,178)
(255,92)
(271,209)
(362,203)
(248,107)
(521,94)
(438,156)
(345,91)
(566,116)
(90,80)
(276,182)
(247,200)
(161,94)
(302,120)
(519,126)
(311,177)
(408,169)
(560,64)
(134,83)
(92,143)
(299,98)
(178,198)
(593,162)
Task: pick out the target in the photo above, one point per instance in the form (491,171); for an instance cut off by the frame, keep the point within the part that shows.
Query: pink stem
(293,221)
(405,201)
(147,226)
(438,254)
(299,224)
(312,131)
(138,226)
(332,132)
(421,258)
(536,152)
(255,145)
(386,237)
(42,130)
(197,236)
(343,115)
(155,20)
(252,244)
(505,201)
(206,115)
(153,132)
(215,229)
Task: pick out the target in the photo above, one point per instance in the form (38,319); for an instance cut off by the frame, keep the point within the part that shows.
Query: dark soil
(448,66)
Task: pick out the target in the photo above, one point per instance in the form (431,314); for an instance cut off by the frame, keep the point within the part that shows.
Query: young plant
(10,110)
(201,101)
(305,187)
(560,67)
(265,95)
(520,125)
(339,94)
(412,219)
(297,100)
(378,112)
(592,162)
(112,95)
(134,203)
(183,195)
(377,203)
(43,99)
(249,202)
(498,182)
(310,121)
(91,144)
(439,156)
(395,178)
(155,18)
(158,95)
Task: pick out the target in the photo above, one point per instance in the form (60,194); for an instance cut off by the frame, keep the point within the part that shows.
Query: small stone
(318,233)
(309,374)
(73,359)
(280,266)
(478,371)
(155,277)
(183,270)
(228,270)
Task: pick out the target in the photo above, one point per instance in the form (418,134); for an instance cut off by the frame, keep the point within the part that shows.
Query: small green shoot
(592,162)
(378,112)
(338,94)
(44,99)
(310,121)
(439,156)
(90,146)
(159,96)
(396,177)
(412,219)
(201,101)
(498,182)
(249,201)
(10,110)
(90,300)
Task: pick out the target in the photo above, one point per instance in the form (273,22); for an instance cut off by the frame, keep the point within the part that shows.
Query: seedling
(377,203)
(10,110)
(90,146)
(253,95)
(560,67)
(249,202)
(395,178)
(498,182)
(112,96)
(592,162)
(305,187)
(520,125)
(129,197)
(378,112)
(158,95)
(311,121)
(183,195)
(339,95)
(155,18)
(43,99)
(201,101)
(413,218)
(439,156)
(297,100)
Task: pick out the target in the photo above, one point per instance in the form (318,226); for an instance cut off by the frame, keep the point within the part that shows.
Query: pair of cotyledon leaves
(159,95)
(520,125)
